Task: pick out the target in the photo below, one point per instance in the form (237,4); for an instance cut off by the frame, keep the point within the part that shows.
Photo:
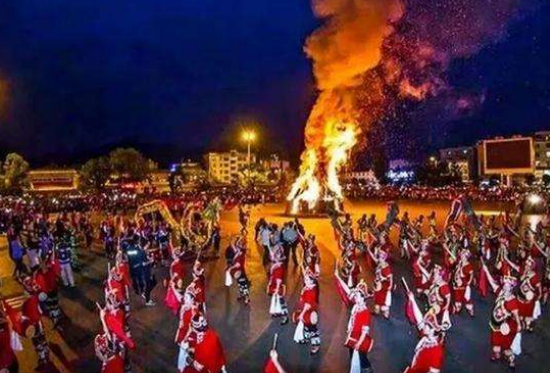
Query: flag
(391,215)
(271,367)
(343,290)
(116,327)
(14,317)
(412,310)
(470,213)
(486,280)
(455,211)
(483,282)
(171,300)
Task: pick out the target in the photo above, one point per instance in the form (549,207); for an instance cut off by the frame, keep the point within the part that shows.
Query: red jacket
(359,319)
(208,352)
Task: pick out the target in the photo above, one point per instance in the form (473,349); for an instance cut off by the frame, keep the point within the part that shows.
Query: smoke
(349,43)
(416,60)
(371,58)
(343,50)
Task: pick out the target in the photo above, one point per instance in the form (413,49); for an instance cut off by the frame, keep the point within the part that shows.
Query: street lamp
(248,136)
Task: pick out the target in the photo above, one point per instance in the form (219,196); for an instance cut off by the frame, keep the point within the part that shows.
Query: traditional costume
(358,339)
(306,315)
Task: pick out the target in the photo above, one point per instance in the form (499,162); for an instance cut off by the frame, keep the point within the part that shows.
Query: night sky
(176,77)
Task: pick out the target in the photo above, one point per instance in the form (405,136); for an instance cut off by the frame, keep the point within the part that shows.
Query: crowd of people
(43,251)
(471,252)
(424,193)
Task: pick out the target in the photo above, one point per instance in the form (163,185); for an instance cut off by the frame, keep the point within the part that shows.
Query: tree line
(121,164)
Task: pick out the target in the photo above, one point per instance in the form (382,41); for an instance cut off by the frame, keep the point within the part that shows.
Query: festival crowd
(470,253)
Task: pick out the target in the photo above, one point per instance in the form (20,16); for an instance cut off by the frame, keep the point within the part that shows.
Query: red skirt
(115,364)
(380,297)
(504,341)
(427,359)
(526,309)
(459,296)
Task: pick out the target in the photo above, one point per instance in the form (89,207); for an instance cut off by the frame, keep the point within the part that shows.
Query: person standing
(216,239)
(17,254)
(439,296)
(463,277)
(260,224)
(306,316)
(505,323)
(529,295)
(359,340)
(429,353)
(33,249)
(205,351)
(383,285)
(8,359)
(31,318)
(265,240)
(276,287)
(64,256)
(236,268)
(140,269)
(289,238)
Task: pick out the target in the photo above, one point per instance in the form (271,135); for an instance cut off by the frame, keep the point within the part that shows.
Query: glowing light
(534,199)
(249,136)
(320,181)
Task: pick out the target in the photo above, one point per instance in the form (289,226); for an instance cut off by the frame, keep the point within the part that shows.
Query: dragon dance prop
(157,206)
(196,224)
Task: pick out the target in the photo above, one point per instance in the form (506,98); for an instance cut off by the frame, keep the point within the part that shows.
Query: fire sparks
(370,55)
(347,47)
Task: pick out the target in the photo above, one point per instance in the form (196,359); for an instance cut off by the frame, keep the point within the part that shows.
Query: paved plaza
(247,332)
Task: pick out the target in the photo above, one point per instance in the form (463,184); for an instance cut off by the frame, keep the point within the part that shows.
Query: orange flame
(343,51)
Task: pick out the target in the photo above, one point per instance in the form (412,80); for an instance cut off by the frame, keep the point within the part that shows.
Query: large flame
(368,56)
(343,50)
(314,182)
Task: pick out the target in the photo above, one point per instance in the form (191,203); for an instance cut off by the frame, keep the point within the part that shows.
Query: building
(464,158)
(193,172)
(53,180)
(223,167)
(363,177)
(401,171)
(542,154)
(159,180)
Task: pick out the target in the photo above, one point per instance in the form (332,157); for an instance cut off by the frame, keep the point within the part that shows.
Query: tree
(95,173)
(257,174)
(437,174)
(129,164)
(15,170)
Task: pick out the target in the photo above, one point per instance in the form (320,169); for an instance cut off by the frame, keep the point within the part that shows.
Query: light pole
(248,136)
